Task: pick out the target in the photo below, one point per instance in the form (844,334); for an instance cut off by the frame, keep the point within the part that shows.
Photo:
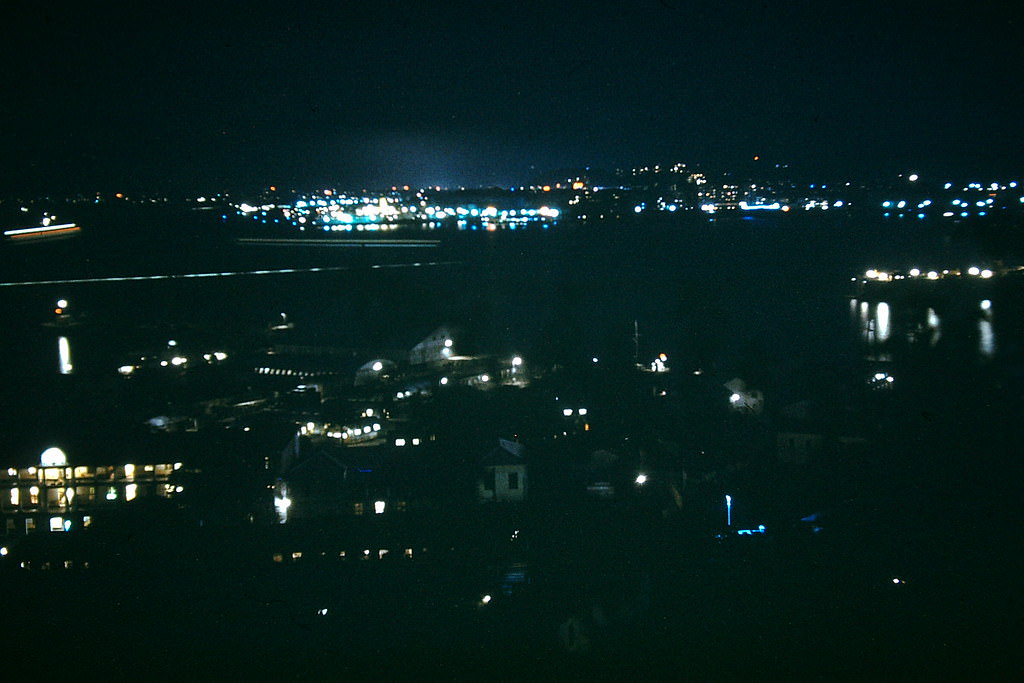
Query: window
(357,508)
(30,524)
(513,480)
(489,481)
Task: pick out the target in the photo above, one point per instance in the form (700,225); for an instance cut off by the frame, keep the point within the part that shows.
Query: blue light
(750,532)
(886,214)
(963,214)
(981,213)
(920,215)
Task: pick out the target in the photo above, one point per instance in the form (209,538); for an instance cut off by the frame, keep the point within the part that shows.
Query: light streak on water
(986,339)
(64,351)
(882,319)
(235,273)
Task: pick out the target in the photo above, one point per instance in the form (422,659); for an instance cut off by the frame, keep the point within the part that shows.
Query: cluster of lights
(957,207)
(886,276)
(338,212)
(175,361)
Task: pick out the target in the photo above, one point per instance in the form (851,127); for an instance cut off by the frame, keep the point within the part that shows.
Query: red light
(58,311)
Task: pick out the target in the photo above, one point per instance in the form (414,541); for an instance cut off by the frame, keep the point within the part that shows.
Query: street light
(728,510)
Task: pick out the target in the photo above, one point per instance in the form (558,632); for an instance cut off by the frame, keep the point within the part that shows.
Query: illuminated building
(57,496)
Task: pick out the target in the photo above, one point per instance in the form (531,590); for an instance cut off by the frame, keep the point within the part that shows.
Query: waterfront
(762,302)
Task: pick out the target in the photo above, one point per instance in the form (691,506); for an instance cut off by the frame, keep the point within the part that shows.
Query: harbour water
(769,300)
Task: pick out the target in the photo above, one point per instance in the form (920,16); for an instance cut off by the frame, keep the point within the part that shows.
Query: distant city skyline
(468,94)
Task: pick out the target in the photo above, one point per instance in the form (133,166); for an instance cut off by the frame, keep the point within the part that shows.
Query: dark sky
(185,97)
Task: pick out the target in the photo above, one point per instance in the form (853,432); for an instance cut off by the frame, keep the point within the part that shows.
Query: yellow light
(546,188)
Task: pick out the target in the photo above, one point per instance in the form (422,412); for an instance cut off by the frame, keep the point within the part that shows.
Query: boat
(42,232)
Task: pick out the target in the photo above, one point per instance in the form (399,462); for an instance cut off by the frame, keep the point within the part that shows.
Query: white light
(734,398)
(986,274)
(932,275)
(129,471)
(986,304)
(914,272)
(378,507)
(367,429)
(64,351)
(641,479)
(322,612)
(53,457)
(913,177)
(399,442)
(220,355)
(567,412)
(517,361)
(582,411)
(486,599)
(376,426)
(130,491)
(485,378)
(444,380)
(448,343)
(3,551)
(62,303)
(178,360)
(378,366)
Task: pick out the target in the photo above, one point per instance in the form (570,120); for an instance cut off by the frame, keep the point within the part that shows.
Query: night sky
(182,97)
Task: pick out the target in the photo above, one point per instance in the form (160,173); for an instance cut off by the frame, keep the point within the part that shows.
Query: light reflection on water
(884,328)
(64,353)
(882,321)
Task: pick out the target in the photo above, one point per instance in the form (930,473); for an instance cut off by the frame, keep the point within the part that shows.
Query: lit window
(15,496)
(357,508)
(56,524)
(87,521)
(30,524)
(34,495)
(296,555)
(130,491)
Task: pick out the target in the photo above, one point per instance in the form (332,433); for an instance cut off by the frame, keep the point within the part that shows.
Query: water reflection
(882,321)
(986,335)
(886,331)
(986,338)
(935,325)
(64,352)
